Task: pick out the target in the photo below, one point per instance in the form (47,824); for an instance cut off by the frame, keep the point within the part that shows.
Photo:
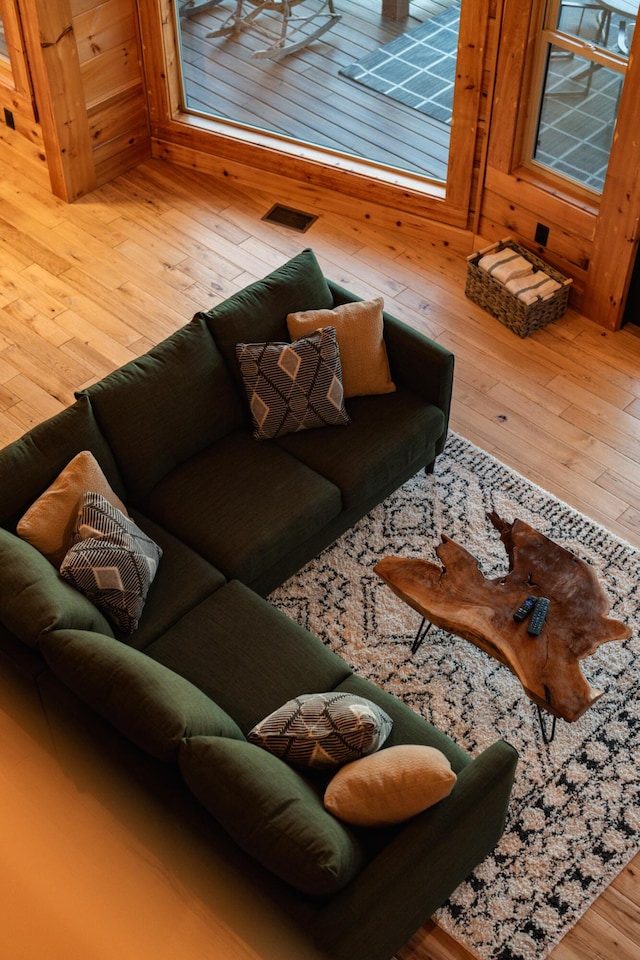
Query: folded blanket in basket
(536,286)
(505,265)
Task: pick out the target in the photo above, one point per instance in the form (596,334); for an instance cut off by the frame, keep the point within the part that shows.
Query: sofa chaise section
(358,892)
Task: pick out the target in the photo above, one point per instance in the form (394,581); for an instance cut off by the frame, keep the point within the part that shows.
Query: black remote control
(538,616)
(525,609)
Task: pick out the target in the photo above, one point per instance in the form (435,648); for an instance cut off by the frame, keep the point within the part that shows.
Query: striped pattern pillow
(293,386)
(323,730)
(112,562)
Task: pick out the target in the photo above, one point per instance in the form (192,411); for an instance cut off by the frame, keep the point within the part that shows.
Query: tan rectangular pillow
(389,786)
(359,331)
(48,523)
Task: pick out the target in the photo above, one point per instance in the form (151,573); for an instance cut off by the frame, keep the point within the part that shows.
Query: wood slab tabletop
(456,596)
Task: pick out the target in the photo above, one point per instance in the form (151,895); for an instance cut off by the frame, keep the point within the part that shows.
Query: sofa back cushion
(33,598)
(31,464)
(166,406)
(150,704)
(272,812)
(258,313)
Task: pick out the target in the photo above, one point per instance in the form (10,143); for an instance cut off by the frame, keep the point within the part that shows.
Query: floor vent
(288,217)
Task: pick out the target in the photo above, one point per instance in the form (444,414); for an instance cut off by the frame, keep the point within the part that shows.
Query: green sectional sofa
(231,517)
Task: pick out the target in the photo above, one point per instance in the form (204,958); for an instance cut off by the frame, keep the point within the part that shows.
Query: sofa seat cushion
(150,704)
(387,435)
(163,407)
(31,464)
(243,504)
(184,578)
(272,812)
(258,312)
(246,655)
(33,597)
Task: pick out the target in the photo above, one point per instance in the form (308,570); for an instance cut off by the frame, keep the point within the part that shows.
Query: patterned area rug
(574,819)
(417,68)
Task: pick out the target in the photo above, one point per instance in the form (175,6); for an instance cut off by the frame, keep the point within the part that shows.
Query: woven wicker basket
(493,296)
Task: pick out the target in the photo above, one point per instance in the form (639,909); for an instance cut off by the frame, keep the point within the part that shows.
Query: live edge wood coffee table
(458,597)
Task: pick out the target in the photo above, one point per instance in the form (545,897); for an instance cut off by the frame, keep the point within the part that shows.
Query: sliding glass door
(368,79)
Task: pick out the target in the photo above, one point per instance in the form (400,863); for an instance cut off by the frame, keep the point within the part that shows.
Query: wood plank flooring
(303,96)
(85,287)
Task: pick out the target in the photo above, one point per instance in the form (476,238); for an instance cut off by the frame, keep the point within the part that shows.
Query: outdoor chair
(273,19)
(188,8)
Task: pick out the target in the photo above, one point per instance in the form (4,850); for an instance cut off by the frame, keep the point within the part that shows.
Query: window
(4,50)
(581,64)
(369,79)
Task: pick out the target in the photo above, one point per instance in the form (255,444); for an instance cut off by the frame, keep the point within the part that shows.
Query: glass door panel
(342,75)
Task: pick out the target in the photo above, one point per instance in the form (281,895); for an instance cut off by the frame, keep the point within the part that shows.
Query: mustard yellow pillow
(48,523)
(389,786)
(359,331)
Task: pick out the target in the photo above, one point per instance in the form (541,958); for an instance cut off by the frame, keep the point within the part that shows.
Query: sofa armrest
(416,362)
(422,865)
(420,364)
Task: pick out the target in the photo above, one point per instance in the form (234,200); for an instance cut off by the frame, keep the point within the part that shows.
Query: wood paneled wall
(16,93)
(109,52)
(89,112)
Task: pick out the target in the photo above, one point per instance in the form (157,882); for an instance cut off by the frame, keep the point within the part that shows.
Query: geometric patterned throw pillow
(112,562)
(293,386)
(323,730)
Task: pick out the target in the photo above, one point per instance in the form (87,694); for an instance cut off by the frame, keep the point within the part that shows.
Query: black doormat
(417,68)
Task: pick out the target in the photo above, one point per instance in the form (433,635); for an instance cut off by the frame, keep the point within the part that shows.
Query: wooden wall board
(110,72)
(84,59)
(117,115)
(103,28)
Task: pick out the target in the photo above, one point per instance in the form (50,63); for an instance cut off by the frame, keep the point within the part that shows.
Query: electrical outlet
(542,234)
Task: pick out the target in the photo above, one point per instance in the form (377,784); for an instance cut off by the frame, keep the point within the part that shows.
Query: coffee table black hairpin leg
(423,630)
(547,737)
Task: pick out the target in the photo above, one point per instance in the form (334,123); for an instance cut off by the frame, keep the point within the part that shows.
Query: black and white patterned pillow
(323,730)
(293,386)
(112,562)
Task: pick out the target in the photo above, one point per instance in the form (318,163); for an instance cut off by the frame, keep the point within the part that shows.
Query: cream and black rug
(417,68)
(574,819)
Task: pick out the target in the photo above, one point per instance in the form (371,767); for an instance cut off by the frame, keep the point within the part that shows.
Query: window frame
(14,73)
(448,203)
(549,36)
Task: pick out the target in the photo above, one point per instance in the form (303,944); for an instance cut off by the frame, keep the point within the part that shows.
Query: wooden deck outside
(304,97)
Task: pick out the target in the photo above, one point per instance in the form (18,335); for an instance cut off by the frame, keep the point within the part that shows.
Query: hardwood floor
(86,287)
(304,96)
